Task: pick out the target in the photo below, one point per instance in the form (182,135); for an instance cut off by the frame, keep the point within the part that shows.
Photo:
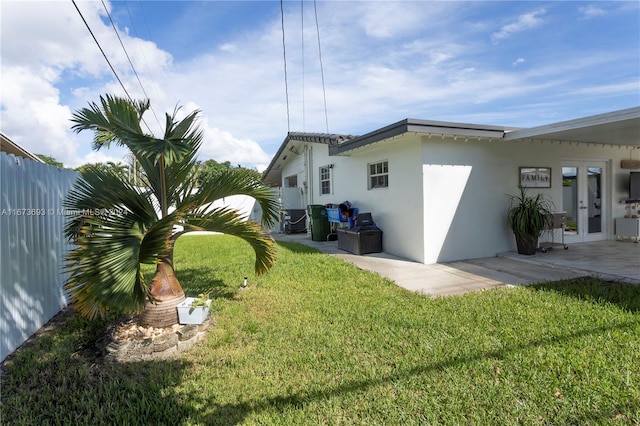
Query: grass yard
(317,341)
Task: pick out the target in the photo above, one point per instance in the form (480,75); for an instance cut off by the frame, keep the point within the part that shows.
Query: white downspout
(309,173)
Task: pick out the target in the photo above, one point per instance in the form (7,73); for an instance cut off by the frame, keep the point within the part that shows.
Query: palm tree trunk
(168,293)
(165,287)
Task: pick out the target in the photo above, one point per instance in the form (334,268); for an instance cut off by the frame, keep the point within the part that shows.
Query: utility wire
(138,38)
(100,47)
(107,59)
(160,75)
(113,25)
(302,44)
(284,52)
(324,93)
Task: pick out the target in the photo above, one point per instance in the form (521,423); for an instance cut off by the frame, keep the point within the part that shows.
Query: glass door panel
(594,207)
(570,198)
(583,193)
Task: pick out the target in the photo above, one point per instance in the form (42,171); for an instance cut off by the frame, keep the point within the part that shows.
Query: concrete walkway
(444,279)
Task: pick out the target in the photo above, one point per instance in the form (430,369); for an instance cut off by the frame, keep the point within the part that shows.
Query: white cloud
(523,23)
(609,89)
(97,157)
(228,47)
(591,11)
(32,115)
(222,145)
(390,19)
(239,86)
(382,62)
(48,41)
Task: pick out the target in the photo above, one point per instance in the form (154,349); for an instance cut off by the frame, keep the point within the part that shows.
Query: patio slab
(612,260)
(617,260)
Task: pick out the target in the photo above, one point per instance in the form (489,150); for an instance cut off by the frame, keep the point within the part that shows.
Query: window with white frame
(378,174)
(325,180)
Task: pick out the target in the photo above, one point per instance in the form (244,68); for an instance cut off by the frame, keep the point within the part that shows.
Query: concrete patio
(610,260)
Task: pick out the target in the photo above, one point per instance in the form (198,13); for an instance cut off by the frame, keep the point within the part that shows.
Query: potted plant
(194,310)
(527,217)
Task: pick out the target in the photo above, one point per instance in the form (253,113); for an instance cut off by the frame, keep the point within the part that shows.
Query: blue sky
(512,63)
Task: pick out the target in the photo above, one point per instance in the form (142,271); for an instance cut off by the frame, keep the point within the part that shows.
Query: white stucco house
(438,190)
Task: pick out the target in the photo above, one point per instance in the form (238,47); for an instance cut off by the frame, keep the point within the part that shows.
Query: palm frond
(105,273)
(107,227)
(180,140)
(237,182)
(156,243)
(114,120)
(90,196)
(117,227)
(230,222)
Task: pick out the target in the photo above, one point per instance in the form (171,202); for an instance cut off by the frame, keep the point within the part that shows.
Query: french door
(585,199)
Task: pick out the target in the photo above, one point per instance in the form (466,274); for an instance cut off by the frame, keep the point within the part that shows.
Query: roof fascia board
(420,126)
(383,133)
(276,157)
(20,150)
(594,120)
(460,131)
(292,137)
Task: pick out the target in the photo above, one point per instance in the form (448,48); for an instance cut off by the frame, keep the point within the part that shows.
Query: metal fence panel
(32,247)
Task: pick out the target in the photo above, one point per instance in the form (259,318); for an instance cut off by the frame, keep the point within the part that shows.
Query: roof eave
(631,115)
(410,125)
(273,177)
(17,150)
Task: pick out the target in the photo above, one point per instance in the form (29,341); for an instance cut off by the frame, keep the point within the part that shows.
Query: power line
(302,44)
(284,52)
(324,93)
(100,47)
(113,25)
(158,75)
(107,59)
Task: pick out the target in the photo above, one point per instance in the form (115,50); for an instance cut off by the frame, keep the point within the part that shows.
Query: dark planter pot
(527,244)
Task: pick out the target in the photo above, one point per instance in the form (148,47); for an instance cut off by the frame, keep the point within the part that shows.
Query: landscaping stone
(188,332)
(130,342)
(164,342)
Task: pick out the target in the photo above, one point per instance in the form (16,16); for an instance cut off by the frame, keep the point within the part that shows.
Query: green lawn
(317,341)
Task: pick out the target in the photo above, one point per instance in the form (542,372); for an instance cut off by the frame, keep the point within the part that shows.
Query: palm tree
(119,169)
(120,226)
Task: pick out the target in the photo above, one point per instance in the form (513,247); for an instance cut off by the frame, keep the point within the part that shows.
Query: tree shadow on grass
(297,247)
(199,281)
(85,390)
(235,413)
(596,291)
(60,377)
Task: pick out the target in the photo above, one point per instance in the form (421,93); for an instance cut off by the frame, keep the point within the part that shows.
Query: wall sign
(535,177)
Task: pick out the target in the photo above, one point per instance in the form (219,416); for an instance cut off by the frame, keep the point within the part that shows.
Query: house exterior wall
(293,197)
(32,244)
(397,206)
(447,199)
(466,183)
(465,187)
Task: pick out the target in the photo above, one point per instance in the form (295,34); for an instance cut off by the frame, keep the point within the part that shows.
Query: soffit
(418,127)
(293,144)
(614,128)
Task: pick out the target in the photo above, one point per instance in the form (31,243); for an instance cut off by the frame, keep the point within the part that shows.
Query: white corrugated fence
(32,247)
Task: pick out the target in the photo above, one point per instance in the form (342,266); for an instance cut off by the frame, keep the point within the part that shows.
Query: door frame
(582,205)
